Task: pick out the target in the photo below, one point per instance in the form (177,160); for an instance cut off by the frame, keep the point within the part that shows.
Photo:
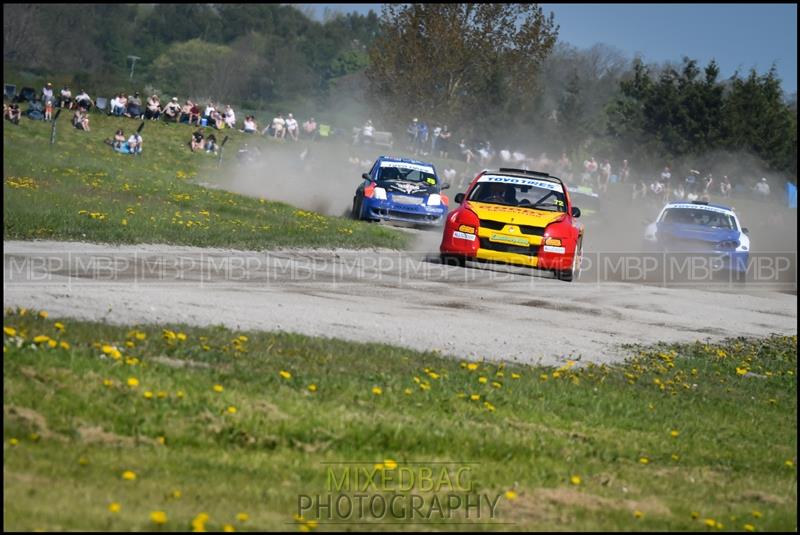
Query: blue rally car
(701,228)
(400,189)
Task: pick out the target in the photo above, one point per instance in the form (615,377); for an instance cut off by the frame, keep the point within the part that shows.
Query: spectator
(564,167)
(292,127)
(725,186)
(422,139)
(505,155)
(412,132)
(624,172)
(66,97)
(217,120)
(119,139)
(229,117)
(153,111)
(466,152)
(81,119)
(367,133)
(449,174)
(679,192)
(444,142)
(708,181)
(762,188)
(135,143)
(666,174)
(135,106)
(639,190)
(47,93)
(84,101)
(207,114)
(172,110)
(123,104)
(487,154)
(437,131)
(194,113)
(278,127)
(211,144)
(691,181)
(250,126)
(12,113)
(310,128)
(48,109)
(603,177)
(113,106)
(197,140)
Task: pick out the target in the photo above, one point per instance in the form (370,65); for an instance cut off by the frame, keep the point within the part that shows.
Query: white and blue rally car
(701,228)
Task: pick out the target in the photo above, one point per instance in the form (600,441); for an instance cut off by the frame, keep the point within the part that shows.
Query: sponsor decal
(544,184)
(510,239)
(405,165)
(554,249)
(463,236)
(407,187)
(701,207)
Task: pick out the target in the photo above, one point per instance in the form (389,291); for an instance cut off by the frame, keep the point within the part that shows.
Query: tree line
(489,71)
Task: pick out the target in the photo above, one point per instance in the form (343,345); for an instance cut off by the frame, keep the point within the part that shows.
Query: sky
(737,36)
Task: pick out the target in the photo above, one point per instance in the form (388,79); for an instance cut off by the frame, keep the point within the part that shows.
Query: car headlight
(434,199)
(379,194)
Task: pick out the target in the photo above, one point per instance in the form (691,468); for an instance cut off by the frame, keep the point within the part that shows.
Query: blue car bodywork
(401,189)
(701,229)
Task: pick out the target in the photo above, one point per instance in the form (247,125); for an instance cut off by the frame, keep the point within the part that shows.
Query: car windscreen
(407,172)
(523,193)
(693,216)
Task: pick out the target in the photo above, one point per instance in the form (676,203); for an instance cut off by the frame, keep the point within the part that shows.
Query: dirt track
(380,296)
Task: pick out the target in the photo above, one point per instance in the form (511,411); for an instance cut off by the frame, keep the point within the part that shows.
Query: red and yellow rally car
(517,217)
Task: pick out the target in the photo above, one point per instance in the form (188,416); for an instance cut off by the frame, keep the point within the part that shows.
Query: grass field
(79,189)
(172,427)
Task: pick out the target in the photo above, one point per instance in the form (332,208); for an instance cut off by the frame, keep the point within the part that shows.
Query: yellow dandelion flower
(378,466)
(218,388)
(83,461)
(710,522)
(515,376)
(10,331)
(390,464)
(63,345)
(489,406)
(676,457)
(543,377)
(228,528)
(181,337)
(176,494)
(312,524)
(232,409)
(638,514)
(472,366)
(644,460)
(407,391)
(41,339)
(161,394)
(511,495)
(475,397)
(43,314)
(695,515)
(114,507)
(377,390)
(148,395)
(285,374)
(789,463)
(674,434)
(757,514)
(133,382)
(312,387)
(179,394)
(52,343)
(556,375)
(434,375)
(59,326)
(482,380)
(749,527)
(140,335)
(242,517)
(128,475)
(741,371)
(158,517)
(13,442)
(495,384)
(575,480)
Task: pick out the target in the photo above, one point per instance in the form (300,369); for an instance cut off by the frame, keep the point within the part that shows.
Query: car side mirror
(445,186)
(365,176)
(576,212)
(745,230)
(460,198)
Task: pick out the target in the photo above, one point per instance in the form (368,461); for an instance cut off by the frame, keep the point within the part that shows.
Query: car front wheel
(569,275)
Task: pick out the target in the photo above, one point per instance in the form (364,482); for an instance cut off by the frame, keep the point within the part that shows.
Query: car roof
(524,173)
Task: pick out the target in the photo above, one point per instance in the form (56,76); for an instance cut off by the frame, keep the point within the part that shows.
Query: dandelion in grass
(407,391)
(228,528)
(695,515)
(13,442)
(285,374)
(674,433)
(472,366)
(129,475)
(312,388)
(176,494)
(638,514)
(789,463)
(511,495)
(231,410)
(515,376)
(114,507)
(161,440)
(757,514)
(377,390)
(475,397)
(575,480)
(43,314)
(41,339)
(242,517)
(133,382)
(59,326)
(218,388)
(179,394)
(389,464)
(644,460)
(148,395)
(10,331)
(158,518)
(482,380)
(749,527)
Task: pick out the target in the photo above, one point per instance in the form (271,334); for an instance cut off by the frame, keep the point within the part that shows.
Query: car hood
(403,187)
(514,214)
(698,233)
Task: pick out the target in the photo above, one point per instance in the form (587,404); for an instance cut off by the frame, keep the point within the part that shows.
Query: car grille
(524,229)
(531,250)
(407,199)
(408,216)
